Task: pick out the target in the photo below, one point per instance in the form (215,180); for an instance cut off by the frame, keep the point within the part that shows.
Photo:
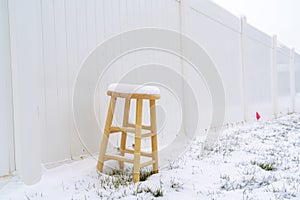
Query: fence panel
(220,37)
(283,74)
(297,82)
(71,30)
(258,73)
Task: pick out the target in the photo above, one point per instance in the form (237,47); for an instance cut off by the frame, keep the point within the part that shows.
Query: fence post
(26,64)
(243,67)
(7,163)
(274,76)
(182,29)
(292,79)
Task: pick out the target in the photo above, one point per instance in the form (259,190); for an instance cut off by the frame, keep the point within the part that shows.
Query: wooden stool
(139,93)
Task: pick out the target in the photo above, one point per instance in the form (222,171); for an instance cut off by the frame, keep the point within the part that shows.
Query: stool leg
(124,134)
(154,137)
(110,114)
(137,143)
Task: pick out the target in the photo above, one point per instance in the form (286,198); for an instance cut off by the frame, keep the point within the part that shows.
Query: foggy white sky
(280,17)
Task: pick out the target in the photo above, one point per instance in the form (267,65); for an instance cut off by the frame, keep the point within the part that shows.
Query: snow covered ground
(260,160)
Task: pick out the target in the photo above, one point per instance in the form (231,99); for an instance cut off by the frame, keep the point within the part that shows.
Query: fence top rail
(283,49)
(258,36)
(217,14)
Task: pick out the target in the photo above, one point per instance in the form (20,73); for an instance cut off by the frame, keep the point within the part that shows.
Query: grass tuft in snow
(118,184)
(117,179)
(267,167)
(156,192)
(245,182)
(127,174)
(145,174)
(176,184)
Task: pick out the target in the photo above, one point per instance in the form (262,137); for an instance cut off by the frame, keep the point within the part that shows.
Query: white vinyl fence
(44,43)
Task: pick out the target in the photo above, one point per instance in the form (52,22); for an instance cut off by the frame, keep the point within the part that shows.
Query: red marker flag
(257,116)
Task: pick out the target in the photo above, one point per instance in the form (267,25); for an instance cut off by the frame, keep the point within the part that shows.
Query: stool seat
(133,91)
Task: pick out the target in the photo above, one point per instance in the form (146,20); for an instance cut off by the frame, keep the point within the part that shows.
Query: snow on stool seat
(133,91)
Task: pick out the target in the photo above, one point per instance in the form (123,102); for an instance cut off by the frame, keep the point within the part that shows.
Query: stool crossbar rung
(122,158)
(117,157)
(115,129)
(146,154)
(143,126)
(150,162)
(130,130)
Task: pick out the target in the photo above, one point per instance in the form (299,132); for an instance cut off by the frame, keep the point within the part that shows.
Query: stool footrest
(146,154)
(117,157)
(123,159)
(115,129)
(147,163)
(143,126)
(147,134)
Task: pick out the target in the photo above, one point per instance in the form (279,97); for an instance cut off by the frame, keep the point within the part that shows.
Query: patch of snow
(260,160)
(130,89)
